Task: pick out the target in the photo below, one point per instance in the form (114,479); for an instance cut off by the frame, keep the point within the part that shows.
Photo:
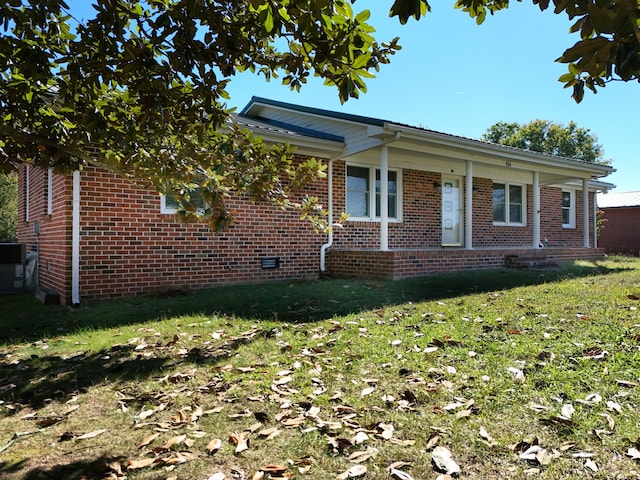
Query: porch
(397,264)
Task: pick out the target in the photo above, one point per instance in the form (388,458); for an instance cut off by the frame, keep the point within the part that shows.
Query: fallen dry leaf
(591,465)
(363,455)
(397,474)
(367,391)
(93,434)
(214,445)
(356,471)
(442,461)
(137,464)
(148,439)
(634,453)
(174,441)
(240,440)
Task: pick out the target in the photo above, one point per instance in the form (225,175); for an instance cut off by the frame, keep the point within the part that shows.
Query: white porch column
(468,207)
(384,198)
(585,212)
(595,221)
(536,210)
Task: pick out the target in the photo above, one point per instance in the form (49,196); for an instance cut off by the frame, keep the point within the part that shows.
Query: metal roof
(265,125)
(247,113)
(619,199)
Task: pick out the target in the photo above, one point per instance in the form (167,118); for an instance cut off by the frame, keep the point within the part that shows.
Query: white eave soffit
(484,152)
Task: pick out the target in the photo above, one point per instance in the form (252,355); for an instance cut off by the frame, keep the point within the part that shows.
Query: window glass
(392,182)
(358,191)
(499,200)
(515,204)
(195,199)
(568,219)
(508,203)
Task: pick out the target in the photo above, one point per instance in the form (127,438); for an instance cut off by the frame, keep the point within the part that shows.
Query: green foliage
(548,137)
(146,81)
(8,207)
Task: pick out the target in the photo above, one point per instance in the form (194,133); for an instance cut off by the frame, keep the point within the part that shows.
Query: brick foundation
(397,264)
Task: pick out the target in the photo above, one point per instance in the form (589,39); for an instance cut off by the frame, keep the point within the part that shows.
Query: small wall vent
(270,263)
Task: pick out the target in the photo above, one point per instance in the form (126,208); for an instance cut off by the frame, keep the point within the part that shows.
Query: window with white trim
(169,204)
(508,204)
(361,203)
(569,209)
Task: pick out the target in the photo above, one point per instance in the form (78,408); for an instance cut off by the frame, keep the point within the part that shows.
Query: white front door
(451,212)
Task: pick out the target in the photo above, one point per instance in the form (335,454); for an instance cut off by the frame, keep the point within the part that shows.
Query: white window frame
(508,222)
(373,195)
(572,209)
(170,210)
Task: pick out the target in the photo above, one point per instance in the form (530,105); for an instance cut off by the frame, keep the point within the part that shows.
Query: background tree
(8,207)
(545,136)
(145,81)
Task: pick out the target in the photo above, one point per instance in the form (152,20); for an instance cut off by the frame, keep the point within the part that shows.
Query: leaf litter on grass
(285,393)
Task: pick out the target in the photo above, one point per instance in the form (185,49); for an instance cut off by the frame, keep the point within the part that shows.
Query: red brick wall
(621,231)
(406,263)
(54,242)
(128,247)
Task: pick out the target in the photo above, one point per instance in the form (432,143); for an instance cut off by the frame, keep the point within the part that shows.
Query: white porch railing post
(536,210)
(384,198)
(468,207)
(585,212)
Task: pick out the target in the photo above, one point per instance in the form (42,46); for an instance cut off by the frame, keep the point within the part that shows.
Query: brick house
(419,202)
(621,229)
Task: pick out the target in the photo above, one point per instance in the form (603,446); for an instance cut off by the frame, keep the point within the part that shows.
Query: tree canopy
(545,136)
(145,81)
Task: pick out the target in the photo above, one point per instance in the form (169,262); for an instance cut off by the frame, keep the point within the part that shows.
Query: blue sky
(456,77)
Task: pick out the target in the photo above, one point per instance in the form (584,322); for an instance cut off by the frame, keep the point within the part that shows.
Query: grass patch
(516,373)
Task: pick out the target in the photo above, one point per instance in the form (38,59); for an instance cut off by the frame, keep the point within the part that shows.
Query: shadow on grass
(39,380)
(22,318)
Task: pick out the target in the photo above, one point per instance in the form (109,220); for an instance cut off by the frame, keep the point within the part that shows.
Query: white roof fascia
(503,152)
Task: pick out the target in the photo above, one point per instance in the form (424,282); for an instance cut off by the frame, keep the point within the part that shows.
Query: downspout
(75,240)
(324,247)
(329,244)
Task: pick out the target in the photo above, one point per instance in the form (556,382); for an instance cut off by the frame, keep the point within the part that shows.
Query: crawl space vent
(270,263)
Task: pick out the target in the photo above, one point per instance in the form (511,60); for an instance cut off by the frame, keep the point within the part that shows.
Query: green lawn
(515,374)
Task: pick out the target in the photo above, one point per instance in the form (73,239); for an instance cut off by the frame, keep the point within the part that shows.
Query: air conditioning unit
(12,267)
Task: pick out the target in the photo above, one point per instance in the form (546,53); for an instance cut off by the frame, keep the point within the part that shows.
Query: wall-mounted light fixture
(437,186)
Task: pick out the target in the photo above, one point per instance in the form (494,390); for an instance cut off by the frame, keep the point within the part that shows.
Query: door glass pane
(451,213)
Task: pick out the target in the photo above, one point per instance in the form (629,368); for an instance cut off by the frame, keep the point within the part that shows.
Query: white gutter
(75,240)
(329,244)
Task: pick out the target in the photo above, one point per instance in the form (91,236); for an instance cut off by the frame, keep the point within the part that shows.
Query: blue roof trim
(307,132)
(314,111)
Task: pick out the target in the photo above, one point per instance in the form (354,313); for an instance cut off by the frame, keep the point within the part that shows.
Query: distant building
(621,231)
